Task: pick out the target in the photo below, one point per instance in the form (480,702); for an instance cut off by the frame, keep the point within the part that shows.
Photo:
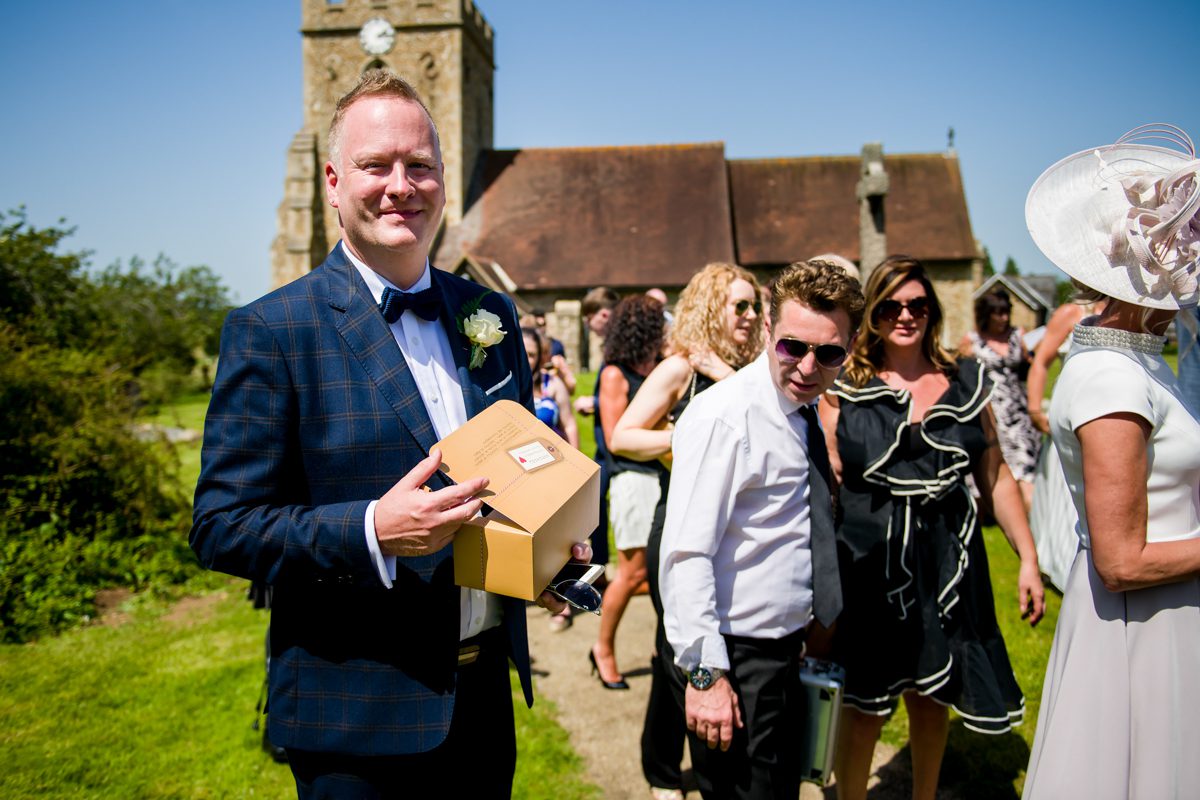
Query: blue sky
(162,127)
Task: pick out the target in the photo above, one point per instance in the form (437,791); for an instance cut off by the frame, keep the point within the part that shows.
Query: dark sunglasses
(578,594)
(742,306)
(889,310)
(792,350)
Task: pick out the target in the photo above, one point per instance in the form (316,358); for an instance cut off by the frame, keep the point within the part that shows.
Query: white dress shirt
(426,350)
(735,547)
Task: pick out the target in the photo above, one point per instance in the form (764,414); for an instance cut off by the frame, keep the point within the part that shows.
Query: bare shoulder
(673,371)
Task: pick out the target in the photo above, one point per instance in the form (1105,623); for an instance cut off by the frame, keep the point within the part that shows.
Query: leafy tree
(86,501)
(1010,267)
(169,321)
(989,269)
(44,294)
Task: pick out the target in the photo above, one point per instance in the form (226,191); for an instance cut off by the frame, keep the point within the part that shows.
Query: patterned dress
(918,612)
(1020,442)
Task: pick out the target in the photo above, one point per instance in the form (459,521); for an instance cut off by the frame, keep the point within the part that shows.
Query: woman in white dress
(1119,707)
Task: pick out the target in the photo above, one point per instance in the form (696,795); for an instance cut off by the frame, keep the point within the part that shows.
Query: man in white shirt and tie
(748,554)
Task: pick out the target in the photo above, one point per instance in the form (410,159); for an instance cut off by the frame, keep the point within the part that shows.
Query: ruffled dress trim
(937,474)
(923,467)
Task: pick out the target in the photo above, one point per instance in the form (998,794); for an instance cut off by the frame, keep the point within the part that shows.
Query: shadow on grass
(975,766)
(984,767)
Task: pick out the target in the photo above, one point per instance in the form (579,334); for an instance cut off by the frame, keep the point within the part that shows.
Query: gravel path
(606,726)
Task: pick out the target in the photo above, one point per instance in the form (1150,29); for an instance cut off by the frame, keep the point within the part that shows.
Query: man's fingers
(459,493)
(582,551)
(737,712)
(551,602)
(422,472)
(713,737)
(456,515)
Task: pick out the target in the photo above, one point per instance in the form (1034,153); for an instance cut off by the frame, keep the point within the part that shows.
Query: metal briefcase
(822,682)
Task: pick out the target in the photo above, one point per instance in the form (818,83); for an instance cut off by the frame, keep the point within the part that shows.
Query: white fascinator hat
(1124,218)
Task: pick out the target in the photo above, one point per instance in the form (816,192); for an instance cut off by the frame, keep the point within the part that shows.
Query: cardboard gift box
(543,495)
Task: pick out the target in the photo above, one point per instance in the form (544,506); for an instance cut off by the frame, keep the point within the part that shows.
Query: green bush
(87,501)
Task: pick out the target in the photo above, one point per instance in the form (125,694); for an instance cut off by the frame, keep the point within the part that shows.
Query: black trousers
(762,762)
(599,537)
(477,759)
(664,731)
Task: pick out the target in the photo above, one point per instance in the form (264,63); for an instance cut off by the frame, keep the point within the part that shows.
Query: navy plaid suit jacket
(314,414)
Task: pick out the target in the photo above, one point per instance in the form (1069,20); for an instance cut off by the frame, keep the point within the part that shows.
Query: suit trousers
(763,761)
(599,537)
(664,731)
(477,759)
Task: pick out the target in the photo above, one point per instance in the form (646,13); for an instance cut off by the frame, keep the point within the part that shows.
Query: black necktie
(425,303)
(827,583)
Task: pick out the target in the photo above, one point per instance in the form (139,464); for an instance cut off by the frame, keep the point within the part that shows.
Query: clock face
(377,36)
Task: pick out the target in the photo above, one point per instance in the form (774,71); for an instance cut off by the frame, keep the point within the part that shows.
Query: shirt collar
(376,282)
(787,406)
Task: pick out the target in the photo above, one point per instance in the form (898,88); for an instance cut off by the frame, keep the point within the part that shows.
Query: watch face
(377,36)
(701,678)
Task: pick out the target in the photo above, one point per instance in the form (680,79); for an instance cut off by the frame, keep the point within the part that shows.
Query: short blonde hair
(700,316)
(374,83)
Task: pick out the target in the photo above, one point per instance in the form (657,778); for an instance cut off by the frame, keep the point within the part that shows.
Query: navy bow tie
(426,303)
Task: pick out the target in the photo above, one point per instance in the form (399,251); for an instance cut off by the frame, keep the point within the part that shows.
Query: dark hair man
(748,554)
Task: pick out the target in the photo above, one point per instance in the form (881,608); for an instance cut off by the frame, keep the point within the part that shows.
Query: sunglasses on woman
(742,306)
(792,350)
(889,310)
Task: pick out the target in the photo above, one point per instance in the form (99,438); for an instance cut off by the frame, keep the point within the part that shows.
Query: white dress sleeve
(1104,383)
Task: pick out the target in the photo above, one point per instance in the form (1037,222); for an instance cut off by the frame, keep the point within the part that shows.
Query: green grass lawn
(161,706)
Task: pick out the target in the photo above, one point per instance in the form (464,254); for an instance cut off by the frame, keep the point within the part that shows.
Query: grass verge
(159,701)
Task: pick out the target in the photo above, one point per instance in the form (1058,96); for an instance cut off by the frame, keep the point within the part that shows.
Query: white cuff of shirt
(707,650)
(385,566)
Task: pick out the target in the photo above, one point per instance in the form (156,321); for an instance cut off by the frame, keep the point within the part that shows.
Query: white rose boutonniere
(482,329)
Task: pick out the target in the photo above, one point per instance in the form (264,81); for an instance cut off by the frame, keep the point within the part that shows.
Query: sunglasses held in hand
(573,585)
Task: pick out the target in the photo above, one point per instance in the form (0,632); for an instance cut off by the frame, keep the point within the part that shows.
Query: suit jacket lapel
(453,300)
(369,338)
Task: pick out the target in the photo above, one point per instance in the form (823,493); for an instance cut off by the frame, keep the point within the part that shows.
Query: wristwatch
(703,677)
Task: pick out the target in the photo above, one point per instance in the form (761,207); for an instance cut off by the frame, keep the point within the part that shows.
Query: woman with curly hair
(906,424)
(635,340)
(717,330)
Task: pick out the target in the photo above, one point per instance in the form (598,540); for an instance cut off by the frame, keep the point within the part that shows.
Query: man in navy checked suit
(319,477)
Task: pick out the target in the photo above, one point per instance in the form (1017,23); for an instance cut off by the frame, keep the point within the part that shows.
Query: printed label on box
(535,454)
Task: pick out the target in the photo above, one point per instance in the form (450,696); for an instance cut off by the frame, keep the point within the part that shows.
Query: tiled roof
(573,218)
(582,217)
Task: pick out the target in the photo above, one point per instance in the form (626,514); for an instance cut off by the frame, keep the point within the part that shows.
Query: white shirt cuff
(707,650)
(385,566)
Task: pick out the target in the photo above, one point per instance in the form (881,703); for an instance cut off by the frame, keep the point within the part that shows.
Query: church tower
(442,47)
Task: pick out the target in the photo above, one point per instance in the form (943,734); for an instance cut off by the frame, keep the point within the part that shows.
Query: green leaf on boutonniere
(469,308)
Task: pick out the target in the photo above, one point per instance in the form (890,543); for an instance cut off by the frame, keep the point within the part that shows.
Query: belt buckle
(468,654)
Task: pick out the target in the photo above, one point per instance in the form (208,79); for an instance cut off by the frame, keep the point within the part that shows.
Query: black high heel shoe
(621,684)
